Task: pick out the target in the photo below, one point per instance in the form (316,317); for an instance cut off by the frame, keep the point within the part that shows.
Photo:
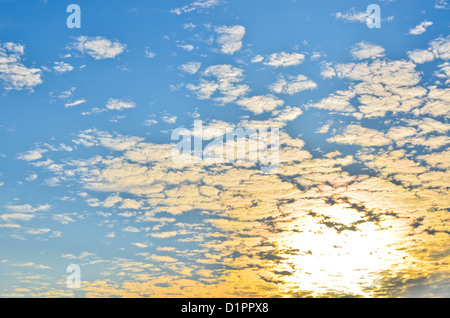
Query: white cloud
(338,101)
(131,229)
(260,104)
(32,155)
(440,4)
(294,85)
(149,54)
(17,216)
(444,71)
(357,135)
(13,73)
(27,208)
(364,50)
(204,89)
(191,67)
(230,38)
(150,122)
(257,59)
(421,56)
(189,26)
(169,119)
(438,48)
(14,47)
(283,59)
(186,47)
(32,265)
(119,104)
(75,103)
(225,83)
(196,5)
(164,234)
(352,16)
(66,94)
(441,47)
(140,245)
(421,28)
(62,67)
(38,231)
(62,218)
(99,47)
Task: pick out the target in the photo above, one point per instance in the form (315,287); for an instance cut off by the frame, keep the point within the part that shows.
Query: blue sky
(86,175)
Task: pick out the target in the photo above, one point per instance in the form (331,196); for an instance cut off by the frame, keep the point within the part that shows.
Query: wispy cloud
(196,5)
(282,59)
(352,16)
(75,103)
(119,104)
(420,28)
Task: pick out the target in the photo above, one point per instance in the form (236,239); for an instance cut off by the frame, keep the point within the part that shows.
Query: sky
(357,205)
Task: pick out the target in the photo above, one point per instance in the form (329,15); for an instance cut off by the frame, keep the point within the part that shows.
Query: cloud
(437,159)
(380,86)
(14,48)
(32,265)
(440,4)
(295,85)
(361,136)
(420,28)
(196,5)
(75,103)
(160,258)
(66,94)
(38,231)
(338,102)
(164,234)
(13,73)
(441,47)
(438,48)
(32,155)
(98,47)
(364,50)
(260,104)
(119,104)
(421,56)
(352,16)
(27,208)
(314,196)
(230,38)
(131,229)
(444,71)
(191,67)
(63,218)
(17,216)
(318,213)
(281,59)
(140,245)
(437,103)
(62,67)
(225,84)
(150,122)
(169,119)
(149,54)
(186,47)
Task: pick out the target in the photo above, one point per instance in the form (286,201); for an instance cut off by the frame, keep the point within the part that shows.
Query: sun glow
(336,258)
